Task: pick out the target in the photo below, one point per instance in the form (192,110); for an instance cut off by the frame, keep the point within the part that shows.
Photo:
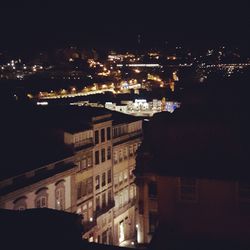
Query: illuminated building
(83,180)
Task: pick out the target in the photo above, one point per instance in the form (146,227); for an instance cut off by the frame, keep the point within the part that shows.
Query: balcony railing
(88,225)
(82,143)
(105,208)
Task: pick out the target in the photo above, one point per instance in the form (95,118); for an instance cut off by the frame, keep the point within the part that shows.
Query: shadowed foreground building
(193,179)
(44,229)
(73,159)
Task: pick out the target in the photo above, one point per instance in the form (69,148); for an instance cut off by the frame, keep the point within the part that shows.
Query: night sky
(40,24)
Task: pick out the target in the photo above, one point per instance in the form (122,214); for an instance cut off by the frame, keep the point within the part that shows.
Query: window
(103,179)
(108,133)
(89,161)
(131,193)
(97,160)
(135,147)
(96,137)
(131,175)
(130,150)
(78,164)
(152,189)
(115,157)
(60,196)
(97,203)
(103,200)
(188,189)
(109,176)
(41,202)
(120,178)
(20,203)
(125,175)
(42,198)
(125,195)
(104,237)
(109,196)
(103,154)
(120,155)
(97,182)
(109,153)
(116,180)
(102,135)
(90,185)
(84,188)
(83,164)
(153,221)
(125,153)
(79,190)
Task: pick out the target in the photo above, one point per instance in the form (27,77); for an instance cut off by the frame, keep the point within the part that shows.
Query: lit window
(89,161)
(60,195)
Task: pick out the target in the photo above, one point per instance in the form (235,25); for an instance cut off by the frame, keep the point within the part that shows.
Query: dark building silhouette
(193,174)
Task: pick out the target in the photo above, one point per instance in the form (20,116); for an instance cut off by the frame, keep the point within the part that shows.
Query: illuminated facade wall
(98,183)
(125,144)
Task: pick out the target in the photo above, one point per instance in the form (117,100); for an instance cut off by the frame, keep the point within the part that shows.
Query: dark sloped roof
(119,118)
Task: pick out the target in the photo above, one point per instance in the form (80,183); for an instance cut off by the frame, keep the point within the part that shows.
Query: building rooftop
(206,138)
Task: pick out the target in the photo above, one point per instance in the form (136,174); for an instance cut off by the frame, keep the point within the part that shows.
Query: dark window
(103,154)
(103,200)
(84,187)
(97,205)
(108,133)
(152,189)
(97,160)
(109,176)
(96,137)
(109,153)
(109,196)
(79,190)
(102,135)
(104,237)
(103,179)
(90,185)
(152,221)
(188,189)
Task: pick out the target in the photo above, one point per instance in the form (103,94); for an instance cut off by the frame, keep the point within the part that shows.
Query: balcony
(104,209)
(88,225)
(84,143)
(125,207)
(127,136)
